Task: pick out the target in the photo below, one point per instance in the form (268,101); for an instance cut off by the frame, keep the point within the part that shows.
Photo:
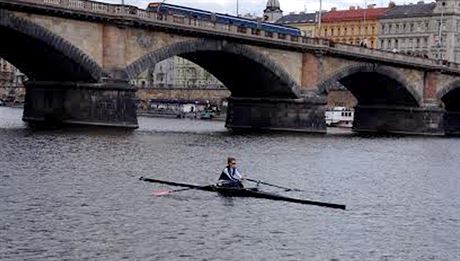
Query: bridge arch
(41,54)
(245,72)
(450,96)
(375,85)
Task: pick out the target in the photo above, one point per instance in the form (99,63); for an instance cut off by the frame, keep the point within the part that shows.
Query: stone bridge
(79,56)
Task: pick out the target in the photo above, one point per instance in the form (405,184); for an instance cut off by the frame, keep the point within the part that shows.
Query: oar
(273,185)
(164,192)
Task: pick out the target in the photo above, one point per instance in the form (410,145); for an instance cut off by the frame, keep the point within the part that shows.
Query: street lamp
(363,27)
(319,16)
(443,4)
(237,7)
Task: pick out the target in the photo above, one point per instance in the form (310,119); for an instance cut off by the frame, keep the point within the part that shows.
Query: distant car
(2,103)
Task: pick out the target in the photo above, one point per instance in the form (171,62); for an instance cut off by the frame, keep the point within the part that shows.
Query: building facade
(11,83)
(446,15)
(10,76)
(177,73)
(429,30)
(7,72)
(306,22)
(409,29)
(355,26)
(273,12)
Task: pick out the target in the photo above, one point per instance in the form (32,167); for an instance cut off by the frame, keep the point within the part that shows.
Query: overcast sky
(257,6)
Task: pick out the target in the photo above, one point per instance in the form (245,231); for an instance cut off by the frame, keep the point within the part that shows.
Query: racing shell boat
(245,192)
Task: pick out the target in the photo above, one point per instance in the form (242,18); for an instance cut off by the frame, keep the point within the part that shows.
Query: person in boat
(230,176)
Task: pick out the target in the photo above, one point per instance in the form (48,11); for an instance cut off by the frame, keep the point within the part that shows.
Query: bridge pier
(452,123)
(401,120)
(300,115)
(110,104)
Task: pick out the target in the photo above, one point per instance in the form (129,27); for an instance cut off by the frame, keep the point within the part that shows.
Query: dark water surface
(75,195)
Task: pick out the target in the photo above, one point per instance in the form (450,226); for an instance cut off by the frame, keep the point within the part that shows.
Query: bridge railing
(384,54)
(127,11)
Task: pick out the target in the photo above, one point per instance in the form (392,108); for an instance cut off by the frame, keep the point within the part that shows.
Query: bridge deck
(133,16)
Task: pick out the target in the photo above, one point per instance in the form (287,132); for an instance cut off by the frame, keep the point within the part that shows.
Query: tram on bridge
(206,16)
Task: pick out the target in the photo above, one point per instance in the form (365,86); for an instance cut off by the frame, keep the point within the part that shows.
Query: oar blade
(161,192)
(164,192)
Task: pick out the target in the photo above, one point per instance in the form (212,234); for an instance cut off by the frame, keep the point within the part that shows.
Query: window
(402,43)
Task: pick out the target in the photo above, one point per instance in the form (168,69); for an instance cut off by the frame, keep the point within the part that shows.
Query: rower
(230,176)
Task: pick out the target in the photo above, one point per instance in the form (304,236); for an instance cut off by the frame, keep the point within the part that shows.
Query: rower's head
(231,161)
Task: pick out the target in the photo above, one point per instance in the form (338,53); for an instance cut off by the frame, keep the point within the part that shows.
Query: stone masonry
(80,56)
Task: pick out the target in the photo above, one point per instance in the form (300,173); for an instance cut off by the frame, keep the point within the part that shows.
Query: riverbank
(12,105)
(170,114)
(150,114)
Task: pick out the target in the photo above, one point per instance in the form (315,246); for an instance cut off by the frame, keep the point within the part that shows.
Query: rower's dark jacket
(230,174)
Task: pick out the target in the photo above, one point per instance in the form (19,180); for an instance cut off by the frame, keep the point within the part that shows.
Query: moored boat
(341,117)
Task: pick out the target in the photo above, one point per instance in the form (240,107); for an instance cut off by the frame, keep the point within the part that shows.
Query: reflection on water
(75,195)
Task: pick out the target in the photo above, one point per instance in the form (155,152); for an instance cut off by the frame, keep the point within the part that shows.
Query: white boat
(340,117)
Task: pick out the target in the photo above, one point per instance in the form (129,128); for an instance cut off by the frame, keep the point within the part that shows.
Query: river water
(75,195)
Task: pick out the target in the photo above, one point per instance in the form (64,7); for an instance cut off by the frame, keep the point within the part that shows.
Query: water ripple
(75,195)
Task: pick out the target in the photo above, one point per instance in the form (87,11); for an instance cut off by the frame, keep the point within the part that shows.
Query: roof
(298,18)
(406,11)
(273,4)
(354,15)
